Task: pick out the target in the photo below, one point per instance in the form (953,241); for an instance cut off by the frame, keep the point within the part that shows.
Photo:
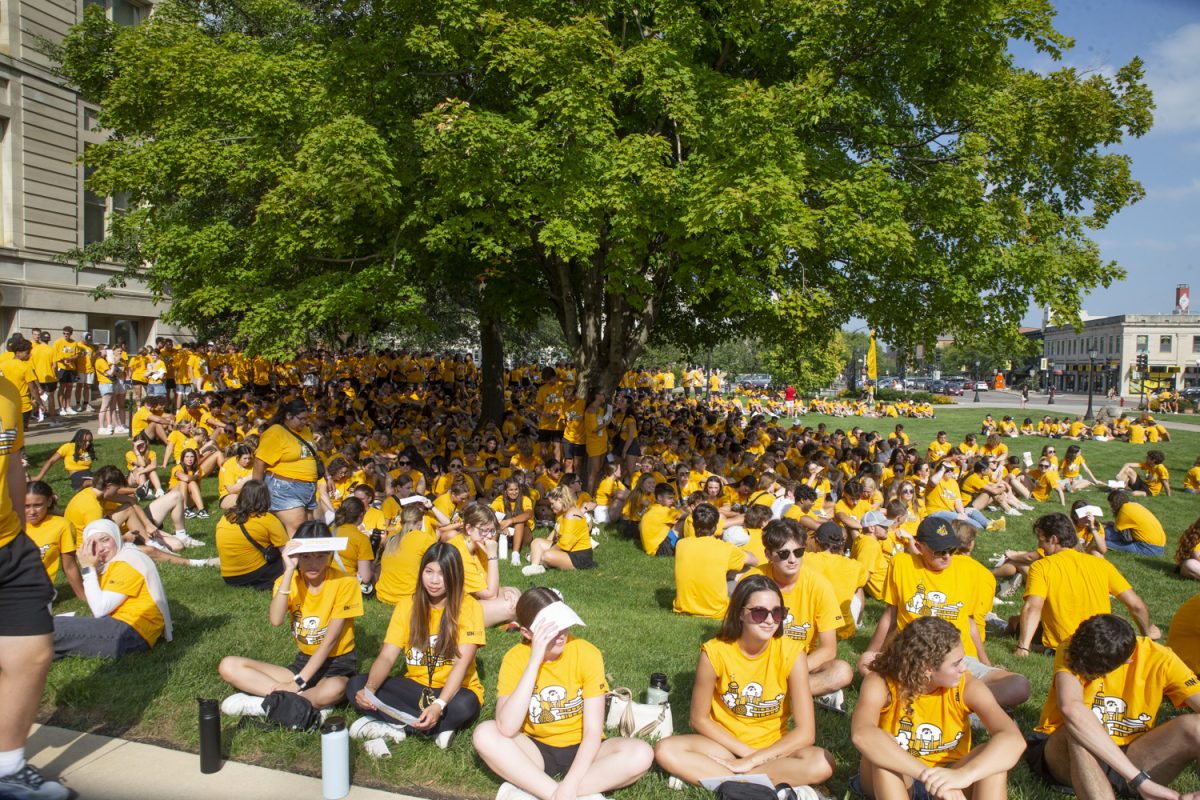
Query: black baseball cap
(830,534)
(937,534)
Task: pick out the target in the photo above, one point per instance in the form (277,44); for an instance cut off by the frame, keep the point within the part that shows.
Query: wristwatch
(299,679)
(1138,780)
(85,571)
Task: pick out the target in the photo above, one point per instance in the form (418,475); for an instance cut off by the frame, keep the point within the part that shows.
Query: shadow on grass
(111,699)
(1157,563)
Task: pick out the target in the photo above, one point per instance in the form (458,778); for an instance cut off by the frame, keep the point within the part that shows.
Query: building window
(122,12)
(1164,343)
(1143,343)
(1196,344)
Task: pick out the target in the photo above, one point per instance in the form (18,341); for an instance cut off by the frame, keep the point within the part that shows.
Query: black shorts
(572,450)
(344,666)
(49,387)
(262,578)
(582,559)
(79,477)
(25,590)
(26,418)
(547,435)
(170,384)
(1139,485)
(666,549)
(557,760)
(1035,759)
(67,376)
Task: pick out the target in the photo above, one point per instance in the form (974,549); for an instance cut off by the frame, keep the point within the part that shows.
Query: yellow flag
(872,369)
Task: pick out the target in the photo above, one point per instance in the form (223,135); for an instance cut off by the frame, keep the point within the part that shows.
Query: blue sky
(1157,240)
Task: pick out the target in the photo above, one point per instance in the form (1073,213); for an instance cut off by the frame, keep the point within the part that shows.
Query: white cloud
(1175,192)
(1173,72)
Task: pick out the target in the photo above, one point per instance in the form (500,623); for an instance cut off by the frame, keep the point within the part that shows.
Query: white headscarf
(136,559)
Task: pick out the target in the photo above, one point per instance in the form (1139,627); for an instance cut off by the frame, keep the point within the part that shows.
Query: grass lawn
(626,603)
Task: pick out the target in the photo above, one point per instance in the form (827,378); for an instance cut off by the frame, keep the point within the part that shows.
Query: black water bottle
(210,736)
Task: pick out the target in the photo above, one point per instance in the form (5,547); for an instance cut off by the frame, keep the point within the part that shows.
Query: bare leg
(24,662)
(830,676)
(292,518)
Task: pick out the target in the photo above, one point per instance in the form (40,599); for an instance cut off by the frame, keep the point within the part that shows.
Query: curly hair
(910,655)
(1100,644)
(1189,542)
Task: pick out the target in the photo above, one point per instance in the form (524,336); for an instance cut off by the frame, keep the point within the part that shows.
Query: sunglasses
(907,491)
(944,553)
(784,554)
(456,466)
(758,614)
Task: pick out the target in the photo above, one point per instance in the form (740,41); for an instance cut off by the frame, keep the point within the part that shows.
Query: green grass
(626,602)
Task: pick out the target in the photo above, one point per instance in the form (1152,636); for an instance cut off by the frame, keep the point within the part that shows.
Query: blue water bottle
(335,759)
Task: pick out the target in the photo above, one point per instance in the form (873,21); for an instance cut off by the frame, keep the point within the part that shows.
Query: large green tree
(669,164)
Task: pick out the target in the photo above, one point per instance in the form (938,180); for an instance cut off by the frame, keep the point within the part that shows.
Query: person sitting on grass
(751,680)
(53,534)
(570,546)
(141,462)
(1152,480)
(1097,735)
(477,546)
(661,523)
(77,456)
(245,535)
(235,472)
(185,479)
(125,595)
(110,497)
(912,722)
(813,616)
(1187,552)
(437,631)
(827,556)
(1134,528)
(704,567)
(357,557)
(514,511)
(547,739)
(400,556)
(319,603)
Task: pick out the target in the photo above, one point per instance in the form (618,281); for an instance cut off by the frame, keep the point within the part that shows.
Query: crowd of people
(347,482)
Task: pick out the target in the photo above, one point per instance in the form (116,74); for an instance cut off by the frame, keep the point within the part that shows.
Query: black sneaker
(28,784)
(189,513)
(202,513)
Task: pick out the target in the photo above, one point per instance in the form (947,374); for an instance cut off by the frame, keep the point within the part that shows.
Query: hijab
(136,559)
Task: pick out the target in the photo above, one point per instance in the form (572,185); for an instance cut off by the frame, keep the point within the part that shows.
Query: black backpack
(290,711)
(739,790)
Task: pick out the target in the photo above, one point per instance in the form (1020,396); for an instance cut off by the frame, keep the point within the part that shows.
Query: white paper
(403,717)
(66,614)
(412,498)
(1028,456)
(377,748)
(1116,484)
(560,614)
(323,544)
(1085,511)
(759,779)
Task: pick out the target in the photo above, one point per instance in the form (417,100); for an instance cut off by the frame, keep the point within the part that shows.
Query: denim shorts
(106,389)
(156,390)
(287,494)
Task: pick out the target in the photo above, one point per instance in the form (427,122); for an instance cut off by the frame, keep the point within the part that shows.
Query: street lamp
(1089,416)
(976,382)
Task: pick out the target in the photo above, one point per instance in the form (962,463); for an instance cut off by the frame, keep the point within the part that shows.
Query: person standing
(65,351)
(287,462)
(26,627)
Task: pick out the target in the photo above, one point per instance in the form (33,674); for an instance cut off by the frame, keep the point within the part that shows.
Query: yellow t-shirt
(574,534)
(239,557)
(358,547)
(519,506)
(942,496)
(655,525)
(934,727)
(470,631)
(398,569)
(846,575)
(19,374)
(1184,634)
(1076,586)
(701,567)
(917,591)
(1155,476)
(102,366)
(338,598)
(139,611)
(812,606)
(86,507)
(868,551)
(475,574)
(70,462)
(1047,482)
(285,456)
(750,697)
(555,714)
(230,473)
(1141,520)
(54,537)
(1127,699)
(1192,479)
(131,459)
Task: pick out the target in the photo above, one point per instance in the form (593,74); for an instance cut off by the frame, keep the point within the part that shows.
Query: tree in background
(779,167)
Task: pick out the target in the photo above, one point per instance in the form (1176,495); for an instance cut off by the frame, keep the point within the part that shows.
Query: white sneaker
(1009,588)
(995,623)
(120,429)
(509,792)
(104,431)
(834,701)
(516,559)
(158,493)
(595,543)
(69,412)
(157,545)
(188,541)
(533,569)
(443,739)
(243,705)
(370,728)
(675,783)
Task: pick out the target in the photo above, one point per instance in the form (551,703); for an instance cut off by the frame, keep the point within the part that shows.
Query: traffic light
(1143,362)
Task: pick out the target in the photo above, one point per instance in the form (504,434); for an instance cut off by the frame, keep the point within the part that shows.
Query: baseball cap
(937,534)
(873,518)
(830,533)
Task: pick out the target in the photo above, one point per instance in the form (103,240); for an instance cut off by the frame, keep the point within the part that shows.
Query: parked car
(916,384)
(937,386)
(954,388)
(754,380)
(981,386)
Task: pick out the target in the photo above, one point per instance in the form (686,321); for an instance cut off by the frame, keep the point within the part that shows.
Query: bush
(894,395)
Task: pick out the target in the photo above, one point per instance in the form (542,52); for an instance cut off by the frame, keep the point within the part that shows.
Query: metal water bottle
(658,692)
(210,735)
(502,545)
(335,759)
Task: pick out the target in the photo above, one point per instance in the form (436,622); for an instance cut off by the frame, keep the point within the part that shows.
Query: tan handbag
(641,720)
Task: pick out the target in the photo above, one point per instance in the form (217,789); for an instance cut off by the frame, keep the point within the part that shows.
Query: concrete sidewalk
(102,768)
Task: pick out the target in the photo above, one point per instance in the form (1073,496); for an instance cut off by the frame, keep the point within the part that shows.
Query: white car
(981,386)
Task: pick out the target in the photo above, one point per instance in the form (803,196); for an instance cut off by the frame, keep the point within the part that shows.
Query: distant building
(44,209)
(1170,341)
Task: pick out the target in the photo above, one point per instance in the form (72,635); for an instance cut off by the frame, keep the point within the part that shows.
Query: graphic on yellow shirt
(924,739)
(748,701)
(1111,713)
(932,604)
(550,704)
(308,630)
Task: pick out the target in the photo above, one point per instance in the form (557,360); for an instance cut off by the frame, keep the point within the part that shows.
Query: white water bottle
(658,692)
(503,544)
(335,759)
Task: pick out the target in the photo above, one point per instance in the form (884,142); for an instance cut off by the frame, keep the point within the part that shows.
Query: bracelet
(493,558)
(440,702)
(282,593)
(1138,780)
(299,679)
(1019,647)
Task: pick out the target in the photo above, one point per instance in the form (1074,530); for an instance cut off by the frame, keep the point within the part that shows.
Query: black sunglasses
(404,463)
(784,554)
(758,614)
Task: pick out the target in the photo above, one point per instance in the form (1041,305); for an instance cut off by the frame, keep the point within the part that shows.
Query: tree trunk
(491,372)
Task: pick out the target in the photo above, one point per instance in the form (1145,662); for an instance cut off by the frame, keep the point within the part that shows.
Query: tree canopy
(667,168)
